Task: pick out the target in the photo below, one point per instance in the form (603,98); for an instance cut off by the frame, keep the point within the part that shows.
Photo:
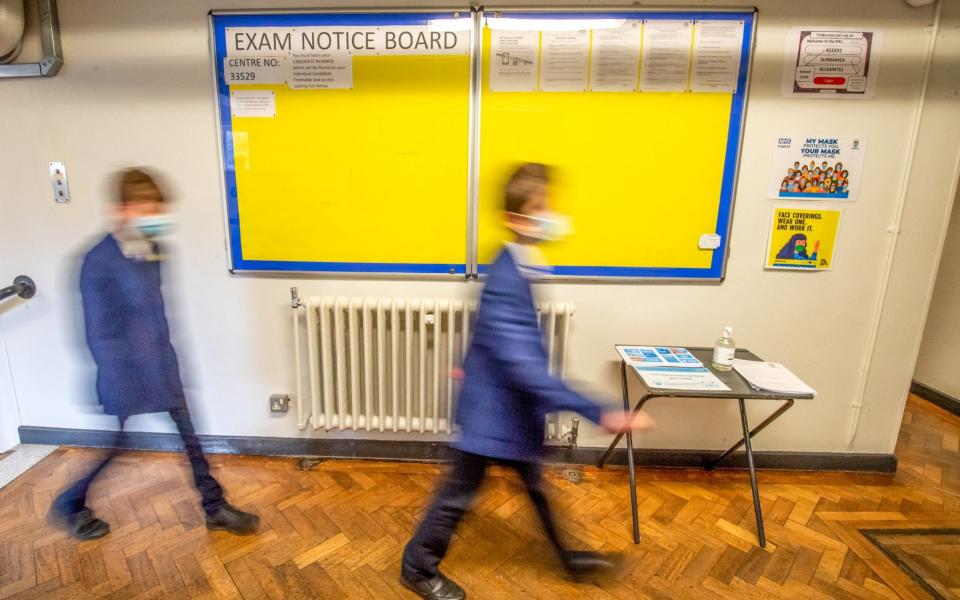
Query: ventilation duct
(11,29)
(11,38)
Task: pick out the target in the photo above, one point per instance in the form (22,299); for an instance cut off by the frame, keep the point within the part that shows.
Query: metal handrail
(22,286)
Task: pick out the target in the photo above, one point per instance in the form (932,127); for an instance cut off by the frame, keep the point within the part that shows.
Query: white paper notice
(835,63)
(252,103)
(513,61)
(716,56)
(615,61)
(564,57)
(665,63)
(321,71)
(242,70)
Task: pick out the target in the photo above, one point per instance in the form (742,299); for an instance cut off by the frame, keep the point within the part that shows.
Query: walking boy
(507,391)
(127,332)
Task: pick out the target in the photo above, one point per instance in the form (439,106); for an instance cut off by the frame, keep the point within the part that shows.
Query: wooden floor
(337,531)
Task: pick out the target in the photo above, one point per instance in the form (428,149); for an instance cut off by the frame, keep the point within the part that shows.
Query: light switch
(58,179)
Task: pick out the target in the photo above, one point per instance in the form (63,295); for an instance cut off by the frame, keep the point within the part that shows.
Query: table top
(739,388)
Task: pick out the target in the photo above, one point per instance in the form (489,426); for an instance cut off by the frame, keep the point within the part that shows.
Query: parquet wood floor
(337,531)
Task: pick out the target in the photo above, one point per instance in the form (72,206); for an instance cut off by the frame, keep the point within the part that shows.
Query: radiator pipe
(894,232)
(22,286)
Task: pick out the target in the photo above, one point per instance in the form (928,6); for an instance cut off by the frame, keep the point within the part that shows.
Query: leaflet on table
(658,356)
(771,377)
(688,379)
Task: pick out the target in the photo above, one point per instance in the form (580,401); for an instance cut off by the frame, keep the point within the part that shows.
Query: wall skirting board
(436,451)
(944,401)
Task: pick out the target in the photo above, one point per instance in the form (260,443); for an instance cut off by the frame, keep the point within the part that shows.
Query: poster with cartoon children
(802,239)
(815,167)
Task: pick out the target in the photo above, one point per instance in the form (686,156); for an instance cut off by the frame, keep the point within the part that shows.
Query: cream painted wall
(9,416)
(938,365)
(136,88)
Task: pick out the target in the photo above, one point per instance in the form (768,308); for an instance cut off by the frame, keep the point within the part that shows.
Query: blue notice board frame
(731,156)
(219,21)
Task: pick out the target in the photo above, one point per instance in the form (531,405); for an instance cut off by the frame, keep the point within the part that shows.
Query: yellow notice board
(345,140)
(639,113)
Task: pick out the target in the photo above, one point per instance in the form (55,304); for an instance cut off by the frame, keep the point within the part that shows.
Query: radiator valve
(570,432)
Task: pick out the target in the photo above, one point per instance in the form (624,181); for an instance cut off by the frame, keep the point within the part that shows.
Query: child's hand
(619,422)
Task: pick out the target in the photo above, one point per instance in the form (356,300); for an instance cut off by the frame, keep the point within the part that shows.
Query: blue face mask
(154,225)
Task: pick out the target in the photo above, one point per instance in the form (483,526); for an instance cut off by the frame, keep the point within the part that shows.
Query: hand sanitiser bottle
(723,351)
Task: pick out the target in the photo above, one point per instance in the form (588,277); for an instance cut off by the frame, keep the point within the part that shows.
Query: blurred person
(506,393)
(129,338)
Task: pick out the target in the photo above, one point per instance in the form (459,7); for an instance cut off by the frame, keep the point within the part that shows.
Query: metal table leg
(633,475)
(753,474)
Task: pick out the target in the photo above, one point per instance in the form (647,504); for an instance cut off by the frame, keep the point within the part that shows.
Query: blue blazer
(127,332)
(507,388)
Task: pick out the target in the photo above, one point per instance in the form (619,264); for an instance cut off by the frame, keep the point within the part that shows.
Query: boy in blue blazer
(507,392)
(128,336)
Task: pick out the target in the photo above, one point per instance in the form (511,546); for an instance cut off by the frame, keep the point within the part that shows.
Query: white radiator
(387,364)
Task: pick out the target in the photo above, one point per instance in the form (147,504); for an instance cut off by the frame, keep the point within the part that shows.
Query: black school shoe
(81,524)
(229,518)
(585,565)
(440,587)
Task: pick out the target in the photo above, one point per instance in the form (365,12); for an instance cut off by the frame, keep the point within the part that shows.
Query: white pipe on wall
(894,230)
(12,22)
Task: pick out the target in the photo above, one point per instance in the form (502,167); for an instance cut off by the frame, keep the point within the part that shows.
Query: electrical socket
(279,403)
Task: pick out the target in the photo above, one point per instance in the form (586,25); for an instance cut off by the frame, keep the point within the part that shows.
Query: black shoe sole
(61,521)
(93,535)
(235,531)
(410,586)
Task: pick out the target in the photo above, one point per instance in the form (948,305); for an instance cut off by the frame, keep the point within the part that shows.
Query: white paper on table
(513,60)
(698,379)
(771,377)
(564,57)
(615,58)
(716,56)
(658,356)
(665,62)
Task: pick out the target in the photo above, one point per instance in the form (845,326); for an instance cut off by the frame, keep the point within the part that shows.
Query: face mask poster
(816,167)
(802,239)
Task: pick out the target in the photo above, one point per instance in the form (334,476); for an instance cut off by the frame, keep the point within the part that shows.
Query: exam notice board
(288,80)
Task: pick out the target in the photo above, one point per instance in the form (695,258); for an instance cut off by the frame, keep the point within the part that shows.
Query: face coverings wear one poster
(802,239)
